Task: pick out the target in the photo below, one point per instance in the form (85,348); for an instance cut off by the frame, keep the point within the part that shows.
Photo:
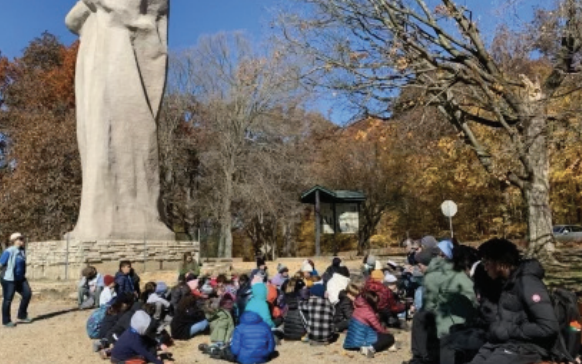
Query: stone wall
(50,259)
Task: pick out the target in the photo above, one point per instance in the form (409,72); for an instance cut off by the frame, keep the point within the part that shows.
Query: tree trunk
(225,242)
(536,188)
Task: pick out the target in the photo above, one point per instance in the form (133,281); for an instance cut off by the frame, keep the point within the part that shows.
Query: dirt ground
(58,335)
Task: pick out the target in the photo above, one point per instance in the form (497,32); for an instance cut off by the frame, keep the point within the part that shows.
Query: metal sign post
(449,209)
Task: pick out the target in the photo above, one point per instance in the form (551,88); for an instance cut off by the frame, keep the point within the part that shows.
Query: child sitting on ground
(345,307)
(293,327)
(125,281)
(189,319)
(112,316)
(221,325)
(136,343)
(149,289)
(108,293)
(365,331)
(252,342)
(90,288)
(318,315)
(276,304)
(158,299)
(258,303)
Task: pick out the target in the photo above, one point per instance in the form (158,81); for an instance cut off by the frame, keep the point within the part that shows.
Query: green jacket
(221,326)
(449,294)
(190,267)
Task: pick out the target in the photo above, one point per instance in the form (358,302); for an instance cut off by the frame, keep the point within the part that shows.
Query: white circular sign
(449,208)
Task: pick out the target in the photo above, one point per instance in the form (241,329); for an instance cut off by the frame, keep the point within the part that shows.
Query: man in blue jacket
(13,279)
(252,342)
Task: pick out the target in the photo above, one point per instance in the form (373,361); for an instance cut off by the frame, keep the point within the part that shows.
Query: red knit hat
(107,280)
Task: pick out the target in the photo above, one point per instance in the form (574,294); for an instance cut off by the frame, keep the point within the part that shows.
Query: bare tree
(237,90)
(373,49)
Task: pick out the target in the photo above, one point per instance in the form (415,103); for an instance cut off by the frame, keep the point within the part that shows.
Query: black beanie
(260,261)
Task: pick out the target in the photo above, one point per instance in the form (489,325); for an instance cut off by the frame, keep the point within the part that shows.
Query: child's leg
(384,342)
(158,313)
(98,291)
(81,293)
(198,328)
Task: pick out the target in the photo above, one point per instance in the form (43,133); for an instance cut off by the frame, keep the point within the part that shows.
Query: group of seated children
(245,317)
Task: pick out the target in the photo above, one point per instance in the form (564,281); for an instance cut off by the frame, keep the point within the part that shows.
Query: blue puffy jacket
(252,341)
(258,303)
(359,334)
(124,284)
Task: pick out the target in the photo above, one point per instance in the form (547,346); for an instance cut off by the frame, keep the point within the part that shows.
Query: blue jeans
(198,328)
(9,289)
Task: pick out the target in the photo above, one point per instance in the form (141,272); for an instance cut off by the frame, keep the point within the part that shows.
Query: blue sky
(23,20)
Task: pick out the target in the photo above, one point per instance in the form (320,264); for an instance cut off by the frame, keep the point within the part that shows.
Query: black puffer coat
(344,309)
(123,323)
(293,328)
(488,292)
(526,317)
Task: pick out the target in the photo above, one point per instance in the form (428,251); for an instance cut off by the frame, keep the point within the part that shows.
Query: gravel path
(58,336)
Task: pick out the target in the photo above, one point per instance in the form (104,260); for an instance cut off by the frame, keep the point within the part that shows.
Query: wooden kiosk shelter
(335,211)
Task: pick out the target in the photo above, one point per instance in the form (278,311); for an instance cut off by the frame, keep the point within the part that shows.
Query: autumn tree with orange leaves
(41,182)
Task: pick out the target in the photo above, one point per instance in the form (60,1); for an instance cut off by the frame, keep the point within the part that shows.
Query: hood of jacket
(530,267)
(259,291)
(250,318)
(140,322)
(439,264)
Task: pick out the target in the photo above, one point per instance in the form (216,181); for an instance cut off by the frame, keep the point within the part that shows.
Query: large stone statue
(120,80)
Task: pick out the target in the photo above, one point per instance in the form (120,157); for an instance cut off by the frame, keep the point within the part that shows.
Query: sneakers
(204,348)
(367,351)
(305,339)
(10,324)
(25,320)
(214,352)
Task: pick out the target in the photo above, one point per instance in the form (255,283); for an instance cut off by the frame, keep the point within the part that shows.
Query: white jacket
(154,298)
(106,295)
(335,285)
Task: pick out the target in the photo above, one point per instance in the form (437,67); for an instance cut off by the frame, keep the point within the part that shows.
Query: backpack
(94,322)
(565,305)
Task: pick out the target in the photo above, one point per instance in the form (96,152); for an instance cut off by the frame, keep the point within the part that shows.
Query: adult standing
(13,279)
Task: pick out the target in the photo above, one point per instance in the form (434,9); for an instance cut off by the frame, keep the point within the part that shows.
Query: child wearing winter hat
(307,269)
(281,277)
(159,300)
(318,314)
(136,342)
(365,331)
(108,293)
